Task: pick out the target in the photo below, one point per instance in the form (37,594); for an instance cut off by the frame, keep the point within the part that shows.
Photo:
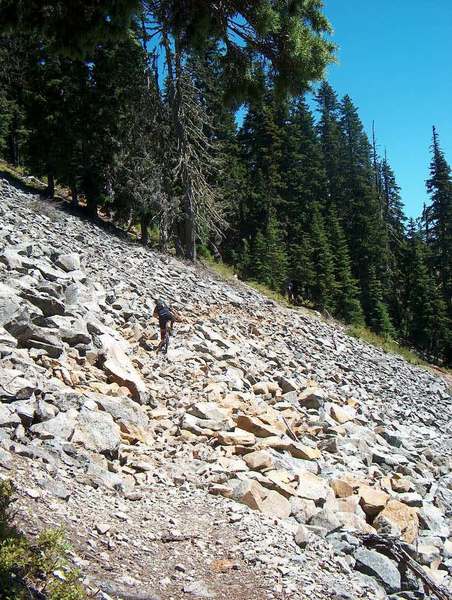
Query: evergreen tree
(348,307)
(332,144)
(428,326)
(438,219)
(324,286)
(394,220)
(363,222)
(269,260)
(301,167)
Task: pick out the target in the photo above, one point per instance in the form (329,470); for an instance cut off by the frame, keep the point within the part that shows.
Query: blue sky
(395,61)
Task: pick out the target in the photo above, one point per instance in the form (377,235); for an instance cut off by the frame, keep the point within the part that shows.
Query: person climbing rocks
(166,318)
(289,290)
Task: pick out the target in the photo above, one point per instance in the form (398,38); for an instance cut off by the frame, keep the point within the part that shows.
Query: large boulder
(30,335)
(379,566)
(9,304)
(59,427)
(312,487)
(398,519)
(96,431)
(372,500)
(257,497)
(119,368)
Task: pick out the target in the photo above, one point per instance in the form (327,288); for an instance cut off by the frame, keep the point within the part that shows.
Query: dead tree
(394,548)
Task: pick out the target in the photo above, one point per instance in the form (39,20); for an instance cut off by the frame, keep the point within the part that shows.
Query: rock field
(246,464)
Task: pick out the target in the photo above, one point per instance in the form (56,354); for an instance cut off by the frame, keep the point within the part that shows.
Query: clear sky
(395,61)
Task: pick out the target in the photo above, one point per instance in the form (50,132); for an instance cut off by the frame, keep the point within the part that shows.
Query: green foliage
(268,261)
(41,565)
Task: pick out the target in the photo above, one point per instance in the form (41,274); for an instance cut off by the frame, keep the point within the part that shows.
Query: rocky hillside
(246,464)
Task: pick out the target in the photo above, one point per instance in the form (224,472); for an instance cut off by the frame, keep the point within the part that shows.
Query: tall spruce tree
(394,222)
(324,286)
(362,218)
(347,303)
(438,219)
(428,326)
(332,144)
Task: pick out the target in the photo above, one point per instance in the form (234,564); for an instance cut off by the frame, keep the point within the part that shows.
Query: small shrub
(33,570)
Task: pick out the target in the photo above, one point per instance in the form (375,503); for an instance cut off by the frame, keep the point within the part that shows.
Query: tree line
(134,112)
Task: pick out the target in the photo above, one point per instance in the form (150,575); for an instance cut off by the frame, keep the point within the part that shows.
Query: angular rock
(398,519)
(312,487)
(287,385)
(96,431)
(372,500)
(8,418)
(209,410)
(60,427)
(120,369)
(259,460)
(341,488)
(68,262)
(379,566)
(302,509)
(274,504)
(312,397)
(48,305)
(302,536)
(326,519)
(256,426)
(432,518)
(13,385)
(236,437)
(342,414)
(298,450)
(9,304)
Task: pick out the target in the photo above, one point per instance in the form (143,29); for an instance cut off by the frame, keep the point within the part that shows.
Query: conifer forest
(208,129)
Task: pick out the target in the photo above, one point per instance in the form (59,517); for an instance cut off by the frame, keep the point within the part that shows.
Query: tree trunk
(180,240)
(91,206)
(163,235)
(189,226)
(50,191)
(74,195)
(144,224)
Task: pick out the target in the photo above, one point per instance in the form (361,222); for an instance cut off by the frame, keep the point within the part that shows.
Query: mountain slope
(126,445)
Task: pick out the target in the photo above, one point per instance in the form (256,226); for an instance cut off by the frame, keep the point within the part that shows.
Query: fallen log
(396,550)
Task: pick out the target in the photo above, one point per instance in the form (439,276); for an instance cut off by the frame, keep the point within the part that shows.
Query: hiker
(166,319)
(289,289)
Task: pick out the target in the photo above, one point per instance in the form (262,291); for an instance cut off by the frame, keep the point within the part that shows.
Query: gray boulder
(68,262)
(9,304)
(383,569)
(96,431)
(60,427)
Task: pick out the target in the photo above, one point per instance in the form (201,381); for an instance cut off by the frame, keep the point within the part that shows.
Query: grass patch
(21,176)
(365,335)
(31,570)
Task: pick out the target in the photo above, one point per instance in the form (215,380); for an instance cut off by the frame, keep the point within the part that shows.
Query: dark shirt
(163,313)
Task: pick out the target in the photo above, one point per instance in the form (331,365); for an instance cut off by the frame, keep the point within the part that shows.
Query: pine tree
(302,264)
(332,144)
(347,304)
(269,260)
(363,220)
(394,221)
(324,288)
(438,219)
(302,168)
(428,326)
